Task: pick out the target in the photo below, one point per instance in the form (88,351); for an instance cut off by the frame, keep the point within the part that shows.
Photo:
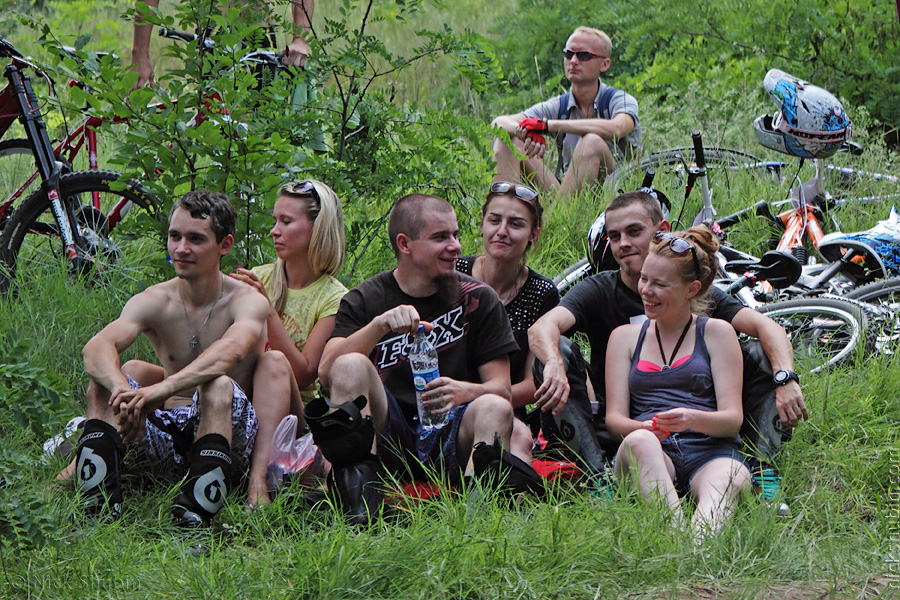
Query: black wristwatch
(783,376)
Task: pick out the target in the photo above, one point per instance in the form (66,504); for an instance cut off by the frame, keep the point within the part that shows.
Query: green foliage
(25,520)
(335,121)
(32,392)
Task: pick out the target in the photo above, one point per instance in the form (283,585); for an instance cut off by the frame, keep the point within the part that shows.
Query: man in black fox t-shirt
(367,355)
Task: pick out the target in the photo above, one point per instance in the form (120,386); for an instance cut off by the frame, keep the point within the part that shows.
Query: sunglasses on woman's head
(522,192)
(302,188)
(678,246)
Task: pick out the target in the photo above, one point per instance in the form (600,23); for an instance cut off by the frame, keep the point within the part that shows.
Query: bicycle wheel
(16,167)
(731,173)
(30,242)
(886,294)
(566,280)
(823,331)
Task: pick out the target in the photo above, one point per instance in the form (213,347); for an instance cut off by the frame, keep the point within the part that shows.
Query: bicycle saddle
(780,269)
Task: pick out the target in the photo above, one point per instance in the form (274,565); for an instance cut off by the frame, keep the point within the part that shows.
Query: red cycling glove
(535,127)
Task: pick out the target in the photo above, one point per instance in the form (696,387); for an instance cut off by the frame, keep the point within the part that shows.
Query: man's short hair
(204,204)
(605,42)
(408,216)
(650,204)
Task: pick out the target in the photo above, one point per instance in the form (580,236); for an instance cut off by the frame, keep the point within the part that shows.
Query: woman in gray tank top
(673,387)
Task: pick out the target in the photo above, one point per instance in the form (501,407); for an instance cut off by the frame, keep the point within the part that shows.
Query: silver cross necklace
(195,338)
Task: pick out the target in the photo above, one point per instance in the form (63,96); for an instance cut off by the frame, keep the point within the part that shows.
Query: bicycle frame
(67,150)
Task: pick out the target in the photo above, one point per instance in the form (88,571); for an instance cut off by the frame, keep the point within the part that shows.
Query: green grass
(842,467)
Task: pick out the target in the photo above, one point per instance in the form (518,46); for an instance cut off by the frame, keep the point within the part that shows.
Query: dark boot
(507,473)
(210,476)
(345,438)
(99,454)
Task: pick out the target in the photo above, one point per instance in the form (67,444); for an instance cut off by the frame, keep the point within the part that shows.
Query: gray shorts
(170,433)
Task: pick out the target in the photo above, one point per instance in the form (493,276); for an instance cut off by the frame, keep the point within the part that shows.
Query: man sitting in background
(595,125)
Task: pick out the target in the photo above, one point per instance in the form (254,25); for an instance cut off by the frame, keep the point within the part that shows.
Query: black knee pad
(211,475)
(574,425)
(762,430)
(509,473)
(344,436)
(99,453)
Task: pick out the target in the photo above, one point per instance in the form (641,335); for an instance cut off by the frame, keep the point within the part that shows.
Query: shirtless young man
(208,332)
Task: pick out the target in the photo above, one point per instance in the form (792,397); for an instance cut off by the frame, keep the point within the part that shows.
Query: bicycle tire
(30,241)
(16,165)
(716,159)
(573,274)
(825,332)
(886,294)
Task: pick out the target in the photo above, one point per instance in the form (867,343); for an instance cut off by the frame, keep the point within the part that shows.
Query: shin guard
(573,426)
(345,438)
(99,453)
(210,477)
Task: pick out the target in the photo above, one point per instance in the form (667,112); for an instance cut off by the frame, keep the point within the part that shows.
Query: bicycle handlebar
(7,50)
(699,157)
(173,34)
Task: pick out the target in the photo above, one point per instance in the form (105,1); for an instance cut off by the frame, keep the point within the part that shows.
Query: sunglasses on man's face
(678,246)
(583,56)
(522,192)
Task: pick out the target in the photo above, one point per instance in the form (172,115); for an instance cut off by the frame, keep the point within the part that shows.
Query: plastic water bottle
(423,359)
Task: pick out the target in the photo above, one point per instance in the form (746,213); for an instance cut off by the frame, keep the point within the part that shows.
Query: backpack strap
(563,111)
(605,100)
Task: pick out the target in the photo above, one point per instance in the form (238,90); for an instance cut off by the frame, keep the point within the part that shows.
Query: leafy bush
(337,121)
(32,392)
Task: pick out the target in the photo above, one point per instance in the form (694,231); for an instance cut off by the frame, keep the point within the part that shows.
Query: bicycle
(100,213)
(60,222)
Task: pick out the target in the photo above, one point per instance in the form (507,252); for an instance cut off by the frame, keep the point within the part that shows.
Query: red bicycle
(61,220)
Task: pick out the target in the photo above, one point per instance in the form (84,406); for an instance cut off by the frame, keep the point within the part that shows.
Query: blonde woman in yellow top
(308,236)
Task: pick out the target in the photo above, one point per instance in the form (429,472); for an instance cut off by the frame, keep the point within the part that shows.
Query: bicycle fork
(48,167)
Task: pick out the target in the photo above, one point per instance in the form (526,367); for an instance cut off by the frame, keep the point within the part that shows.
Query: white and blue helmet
(810,123)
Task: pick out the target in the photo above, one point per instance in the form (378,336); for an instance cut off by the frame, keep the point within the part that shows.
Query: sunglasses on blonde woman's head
(678,246)
(522,192)
(302,188)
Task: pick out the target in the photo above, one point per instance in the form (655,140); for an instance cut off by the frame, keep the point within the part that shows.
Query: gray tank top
(689,385)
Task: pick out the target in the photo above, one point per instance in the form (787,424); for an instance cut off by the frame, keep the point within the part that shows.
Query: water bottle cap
(421,328)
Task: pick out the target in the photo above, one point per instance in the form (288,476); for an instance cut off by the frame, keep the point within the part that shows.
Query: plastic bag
(292,458)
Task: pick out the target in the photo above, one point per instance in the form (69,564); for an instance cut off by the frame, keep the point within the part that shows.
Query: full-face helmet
(810,122)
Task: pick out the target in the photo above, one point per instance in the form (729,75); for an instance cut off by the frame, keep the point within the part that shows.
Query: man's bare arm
(298,49)
(140,50)
(450,393)
(101,353)
(400,319)
(616,128)
(543,341)
(788,398)
(508,123)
